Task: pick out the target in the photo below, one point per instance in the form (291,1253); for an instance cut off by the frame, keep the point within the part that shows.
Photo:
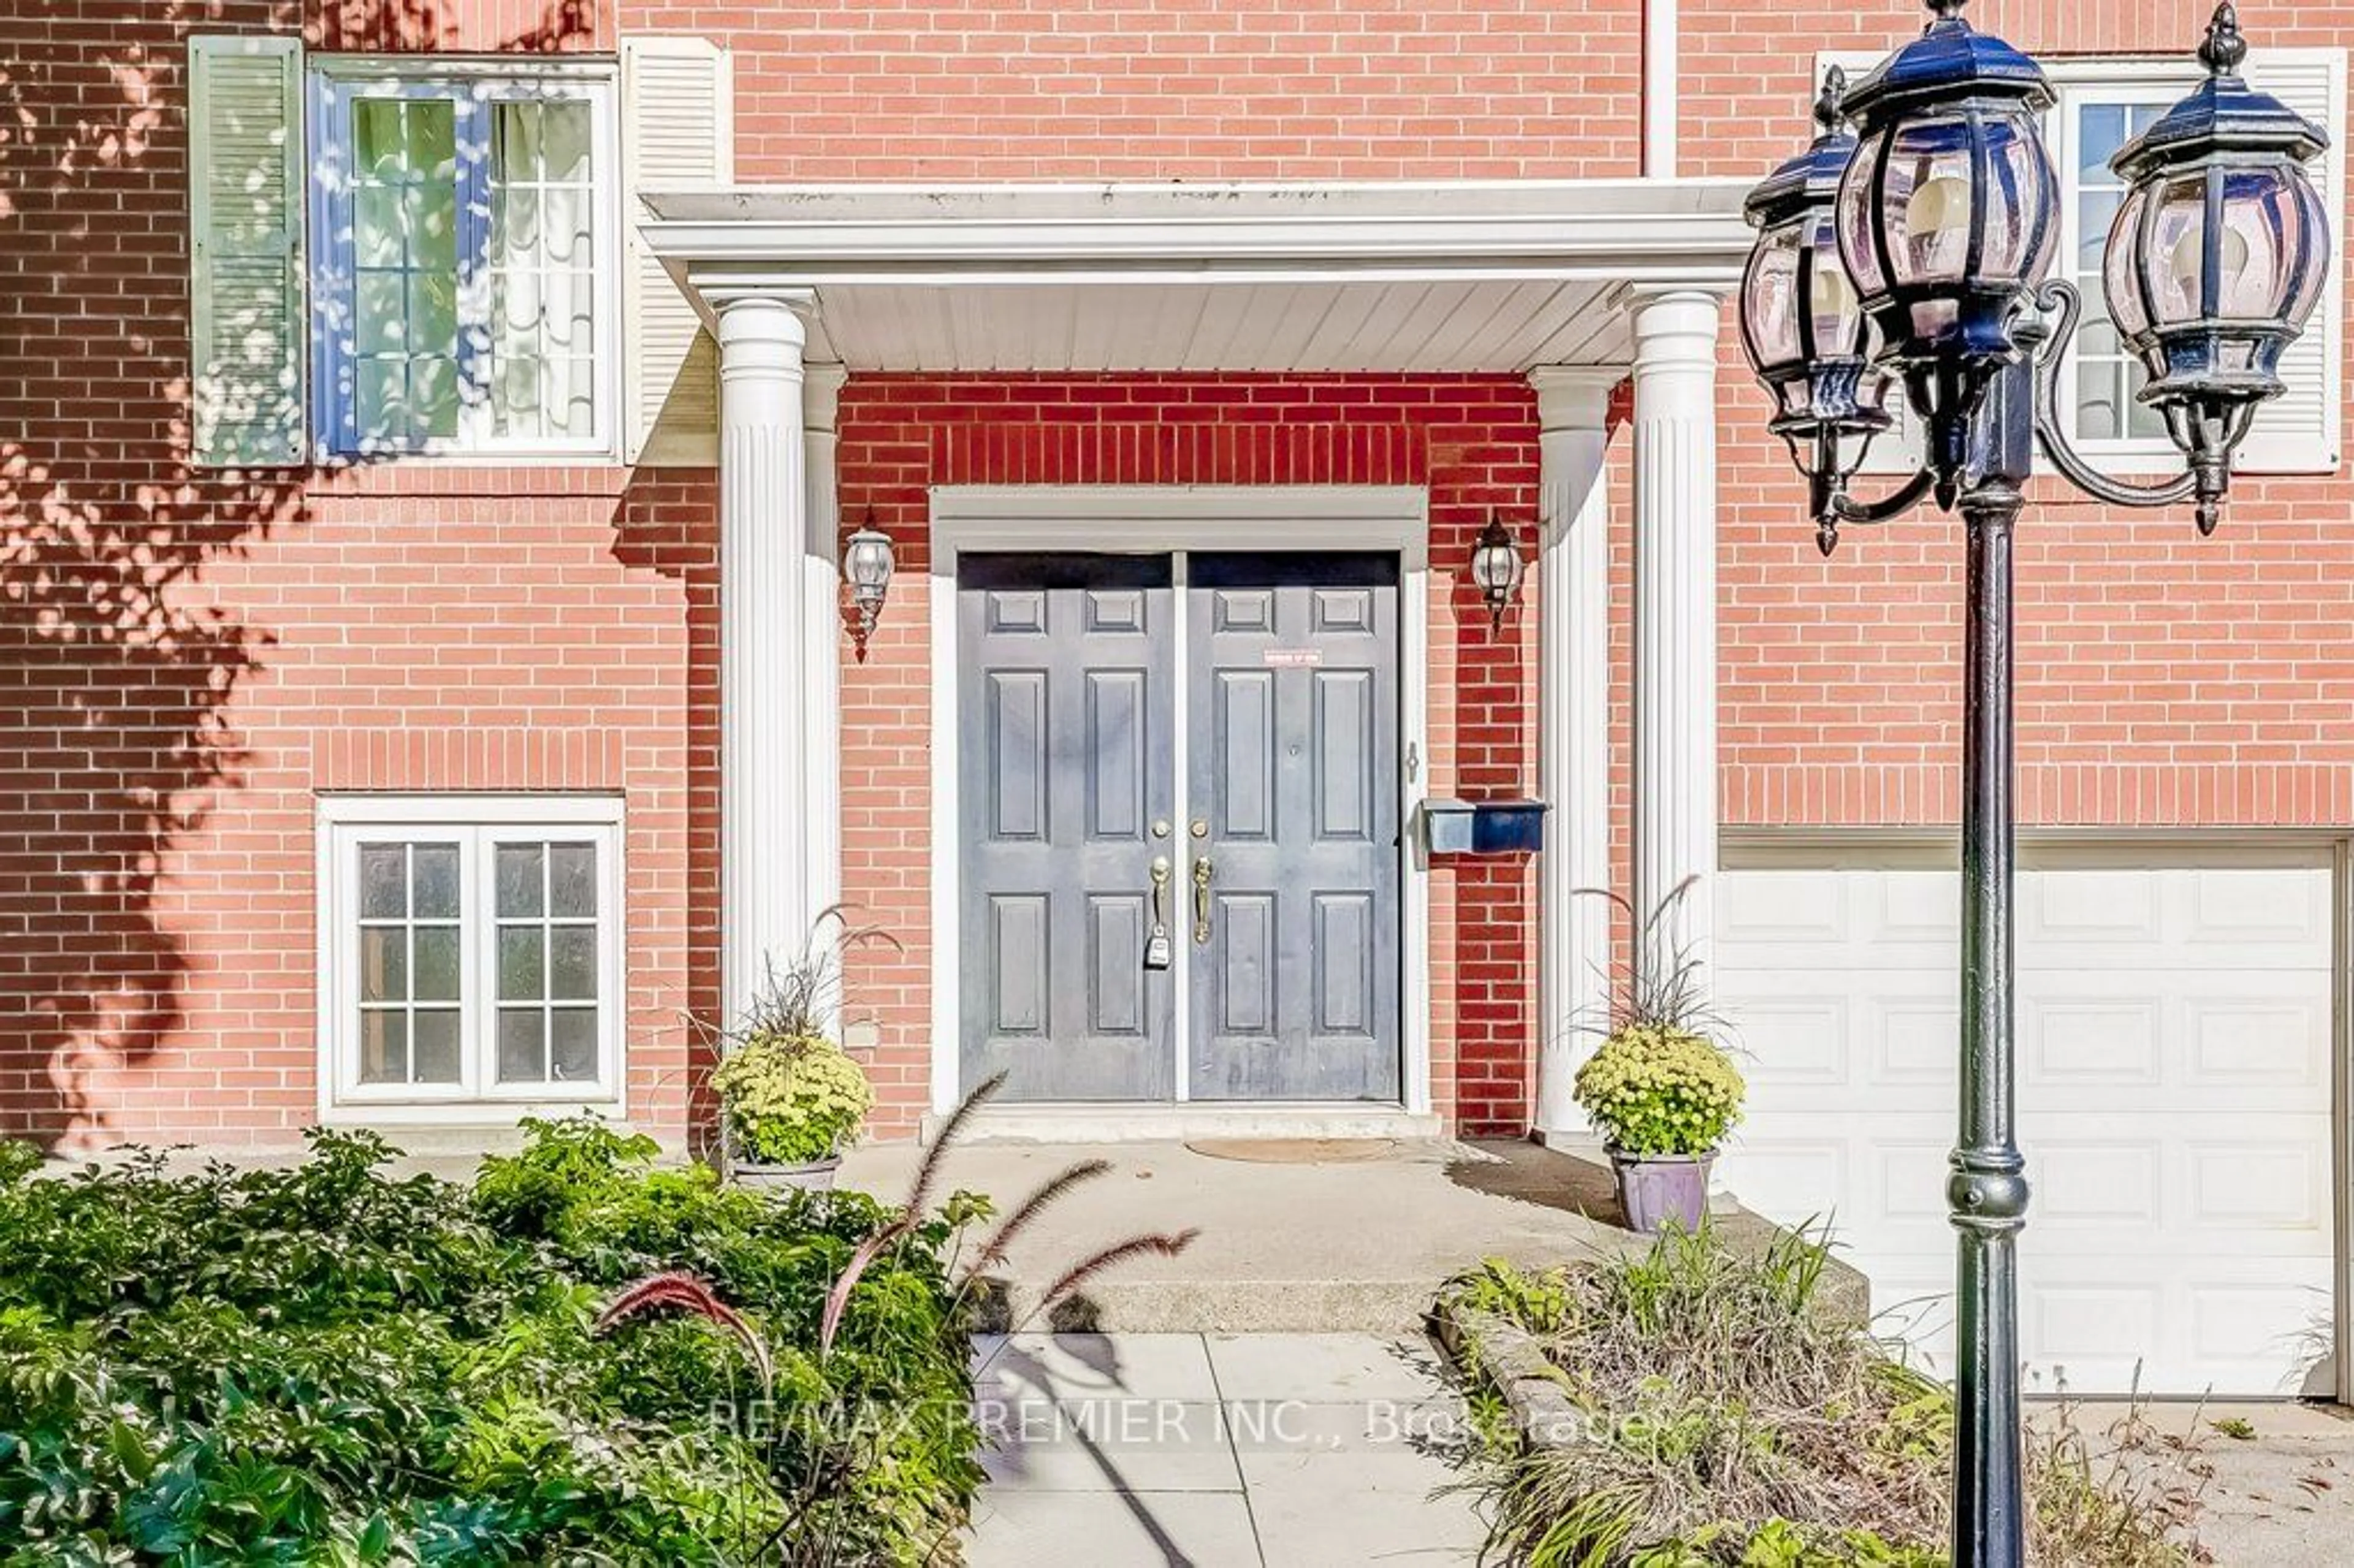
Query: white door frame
(1163,519)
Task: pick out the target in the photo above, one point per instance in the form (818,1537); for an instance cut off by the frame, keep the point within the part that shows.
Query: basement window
(471,950)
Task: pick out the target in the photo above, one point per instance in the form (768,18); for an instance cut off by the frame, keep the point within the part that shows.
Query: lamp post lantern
(1912,253)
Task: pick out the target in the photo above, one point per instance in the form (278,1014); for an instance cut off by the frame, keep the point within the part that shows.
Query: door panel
(1294,975)
(1067,667)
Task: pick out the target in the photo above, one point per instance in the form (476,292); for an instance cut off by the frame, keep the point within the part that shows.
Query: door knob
(1201,873)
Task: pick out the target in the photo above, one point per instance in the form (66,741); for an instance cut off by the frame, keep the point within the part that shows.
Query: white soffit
(1453,277)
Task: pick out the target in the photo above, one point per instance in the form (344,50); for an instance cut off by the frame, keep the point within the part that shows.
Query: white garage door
(2175,1058)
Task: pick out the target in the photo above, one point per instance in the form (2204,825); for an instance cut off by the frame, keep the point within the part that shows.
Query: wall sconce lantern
(867,562)
(1496,567)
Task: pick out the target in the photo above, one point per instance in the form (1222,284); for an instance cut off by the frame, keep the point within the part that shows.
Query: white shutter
(2299,432)
(245,273)
(677,133)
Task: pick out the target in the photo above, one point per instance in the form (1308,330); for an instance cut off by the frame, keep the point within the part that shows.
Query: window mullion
(475,324)
(475,983)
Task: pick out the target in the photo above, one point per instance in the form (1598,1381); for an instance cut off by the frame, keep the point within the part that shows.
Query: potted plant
(791,1098)
(1660,1089)
(790,1105)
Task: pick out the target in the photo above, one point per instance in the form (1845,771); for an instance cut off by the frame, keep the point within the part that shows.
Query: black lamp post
(1914,251)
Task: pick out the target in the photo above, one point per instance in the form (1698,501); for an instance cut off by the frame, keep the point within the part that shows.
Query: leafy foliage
(1654,1089)
(329,1365)
(788,1094)
(789,1099)
(1732,1422)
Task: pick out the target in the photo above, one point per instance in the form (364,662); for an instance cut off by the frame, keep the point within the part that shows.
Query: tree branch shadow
(118,673)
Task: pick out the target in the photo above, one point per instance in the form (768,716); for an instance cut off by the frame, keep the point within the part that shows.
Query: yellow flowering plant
(1660,1085)
(788,1093)
(1655,1090)
(791,1098)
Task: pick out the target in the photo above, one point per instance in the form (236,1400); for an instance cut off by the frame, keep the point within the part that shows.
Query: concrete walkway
(1218,1450)
(1355,1244)
(2273,1482)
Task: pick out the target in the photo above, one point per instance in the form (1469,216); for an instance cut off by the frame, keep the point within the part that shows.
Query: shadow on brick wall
(118,672)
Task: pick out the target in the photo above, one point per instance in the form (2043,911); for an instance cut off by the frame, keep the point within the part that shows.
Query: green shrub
(326,1365)
(791,1098)
(1655,1090)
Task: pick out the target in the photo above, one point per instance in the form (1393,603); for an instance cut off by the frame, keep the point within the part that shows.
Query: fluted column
(1675,607)
(765,851)
(821,672)
(1574,693)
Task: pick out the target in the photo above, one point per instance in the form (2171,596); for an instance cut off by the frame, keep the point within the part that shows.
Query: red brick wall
(1360,89)
(1471,439)
(187,657)
(2163,679)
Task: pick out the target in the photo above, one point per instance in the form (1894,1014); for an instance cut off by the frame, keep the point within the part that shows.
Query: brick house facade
(200,660)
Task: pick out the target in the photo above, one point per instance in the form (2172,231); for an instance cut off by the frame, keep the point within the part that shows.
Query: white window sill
(468,1113)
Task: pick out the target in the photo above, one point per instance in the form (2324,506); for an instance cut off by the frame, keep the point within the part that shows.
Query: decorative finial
(2225,47)
(1827,537)
(1829,101)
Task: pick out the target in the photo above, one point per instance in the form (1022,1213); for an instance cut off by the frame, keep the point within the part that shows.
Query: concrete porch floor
(1358,1246)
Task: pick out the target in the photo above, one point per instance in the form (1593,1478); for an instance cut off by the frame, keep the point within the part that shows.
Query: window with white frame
(2093,120)
(463,257)
(472,949)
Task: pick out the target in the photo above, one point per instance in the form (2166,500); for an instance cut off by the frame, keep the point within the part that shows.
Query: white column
(1574,694)
(1675,607)
(764,841)
(821,669)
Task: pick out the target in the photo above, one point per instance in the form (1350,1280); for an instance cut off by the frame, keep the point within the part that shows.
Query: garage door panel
(2089,1333)
(1797,909)
(1796,1179)
(2272,1185)
(2272,1040)
(2103,909)
(2103,1041)
(1794,1038)
(2247,1334)
(2107,1188)
(2282,918)
(2177,1043)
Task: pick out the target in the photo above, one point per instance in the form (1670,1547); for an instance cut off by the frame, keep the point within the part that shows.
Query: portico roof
(1477,275)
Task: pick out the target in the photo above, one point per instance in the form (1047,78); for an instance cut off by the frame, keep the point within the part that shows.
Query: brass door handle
(1202,871)
(1157,953)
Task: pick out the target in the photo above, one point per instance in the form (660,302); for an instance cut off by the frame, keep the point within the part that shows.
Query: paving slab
(1323,1367)
(1338,1510)
(1115,1444)
(1109,1529)
(1322,1449)
(1079,1366)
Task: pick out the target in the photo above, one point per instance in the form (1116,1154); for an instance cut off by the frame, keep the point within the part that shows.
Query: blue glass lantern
(1802,323)
(1947,214)
(2217,256)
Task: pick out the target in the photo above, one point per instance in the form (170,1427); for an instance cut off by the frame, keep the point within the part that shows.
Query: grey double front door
(1178,778)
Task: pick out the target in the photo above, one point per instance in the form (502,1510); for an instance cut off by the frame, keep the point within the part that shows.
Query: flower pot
(1656,1188)
(813,1176)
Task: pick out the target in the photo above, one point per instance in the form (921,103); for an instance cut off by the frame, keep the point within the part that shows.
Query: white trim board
(1160,519)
